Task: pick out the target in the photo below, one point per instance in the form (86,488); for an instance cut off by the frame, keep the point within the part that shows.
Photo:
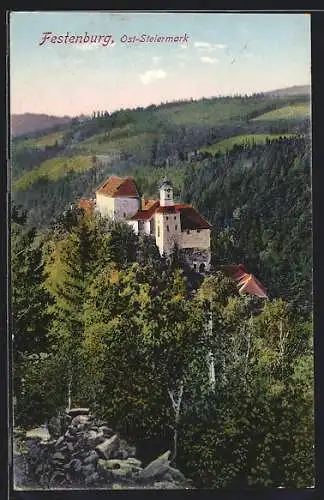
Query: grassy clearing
(53,170)
(227,144)
(45,140)
(115,143)
(290,112)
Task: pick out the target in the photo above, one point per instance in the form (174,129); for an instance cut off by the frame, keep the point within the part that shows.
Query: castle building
(168,222)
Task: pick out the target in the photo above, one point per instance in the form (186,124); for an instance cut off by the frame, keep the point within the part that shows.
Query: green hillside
(230,142)
(52,170)
(117,142)
(289,112)
(46,140)
(151,141)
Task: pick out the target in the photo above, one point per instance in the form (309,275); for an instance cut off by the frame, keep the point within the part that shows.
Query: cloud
(208,60)
(202,45)
(152,75)
(209,47)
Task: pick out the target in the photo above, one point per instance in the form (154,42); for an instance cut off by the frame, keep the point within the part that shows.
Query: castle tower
(166,194)
(167,218)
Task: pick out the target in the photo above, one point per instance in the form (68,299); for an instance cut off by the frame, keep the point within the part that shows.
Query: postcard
(161,250)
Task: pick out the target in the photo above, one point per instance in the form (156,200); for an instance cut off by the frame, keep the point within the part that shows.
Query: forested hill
(26,123)
(258,200)
(242,160)
(71,160)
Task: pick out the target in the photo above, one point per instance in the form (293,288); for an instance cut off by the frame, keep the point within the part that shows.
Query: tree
(73,261)
(29,298)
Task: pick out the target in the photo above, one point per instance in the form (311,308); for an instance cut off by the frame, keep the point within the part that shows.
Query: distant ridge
(290,91)
(27,123)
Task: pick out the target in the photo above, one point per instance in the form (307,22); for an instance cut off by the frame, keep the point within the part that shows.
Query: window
(168,229)
(167,218)
(158,231)
(176,227)
(175,217)
(188,232)
(124,214)
(198,230)
(195,267)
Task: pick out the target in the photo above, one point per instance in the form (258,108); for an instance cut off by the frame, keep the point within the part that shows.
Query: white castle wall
(116,208)
(194,238)
(167,231)
(105,205)
(126,207)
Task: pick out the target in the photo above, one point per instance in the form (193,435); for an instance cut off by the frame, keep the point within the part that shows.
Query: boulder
(134,461)
(92,457)
(106,448)
(93,438)
(157,468)
(88,469)
(76,464)
(80,420)
(74,412)
(92,479)
(40,433)
(107,431)
(55,426)
(176,475)
(59,441)
(58,456)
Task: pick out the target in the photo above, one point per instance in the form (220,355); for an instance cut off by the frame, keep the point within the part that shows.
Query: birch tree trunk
(176,404)
(69,392)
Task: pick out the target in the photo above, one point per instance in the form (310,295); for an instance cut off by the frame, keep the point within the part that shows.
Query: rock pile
(81,452)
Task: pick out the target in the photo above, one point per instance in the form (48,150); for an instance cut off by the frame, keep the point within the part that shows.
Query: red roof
(189,217)
(148,210)
(119,186)
(148,204)
(247,283)
(87,206)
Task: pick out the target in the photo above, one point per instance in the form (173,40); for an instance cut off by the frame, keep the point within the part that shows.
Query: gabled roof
(189,217)
(148,210)
(246,282)
(119,186)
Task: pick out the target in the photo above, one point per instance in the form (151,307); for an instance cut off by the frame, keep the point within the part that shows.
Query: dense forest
(93,303)
(101,320)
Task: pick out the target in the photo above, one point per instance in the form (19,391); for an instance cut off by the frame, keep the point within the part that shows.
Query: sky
(212,54)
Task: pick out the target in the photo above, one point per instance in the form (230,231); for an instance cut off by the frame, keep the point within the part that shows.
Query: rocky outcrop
(89,454)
